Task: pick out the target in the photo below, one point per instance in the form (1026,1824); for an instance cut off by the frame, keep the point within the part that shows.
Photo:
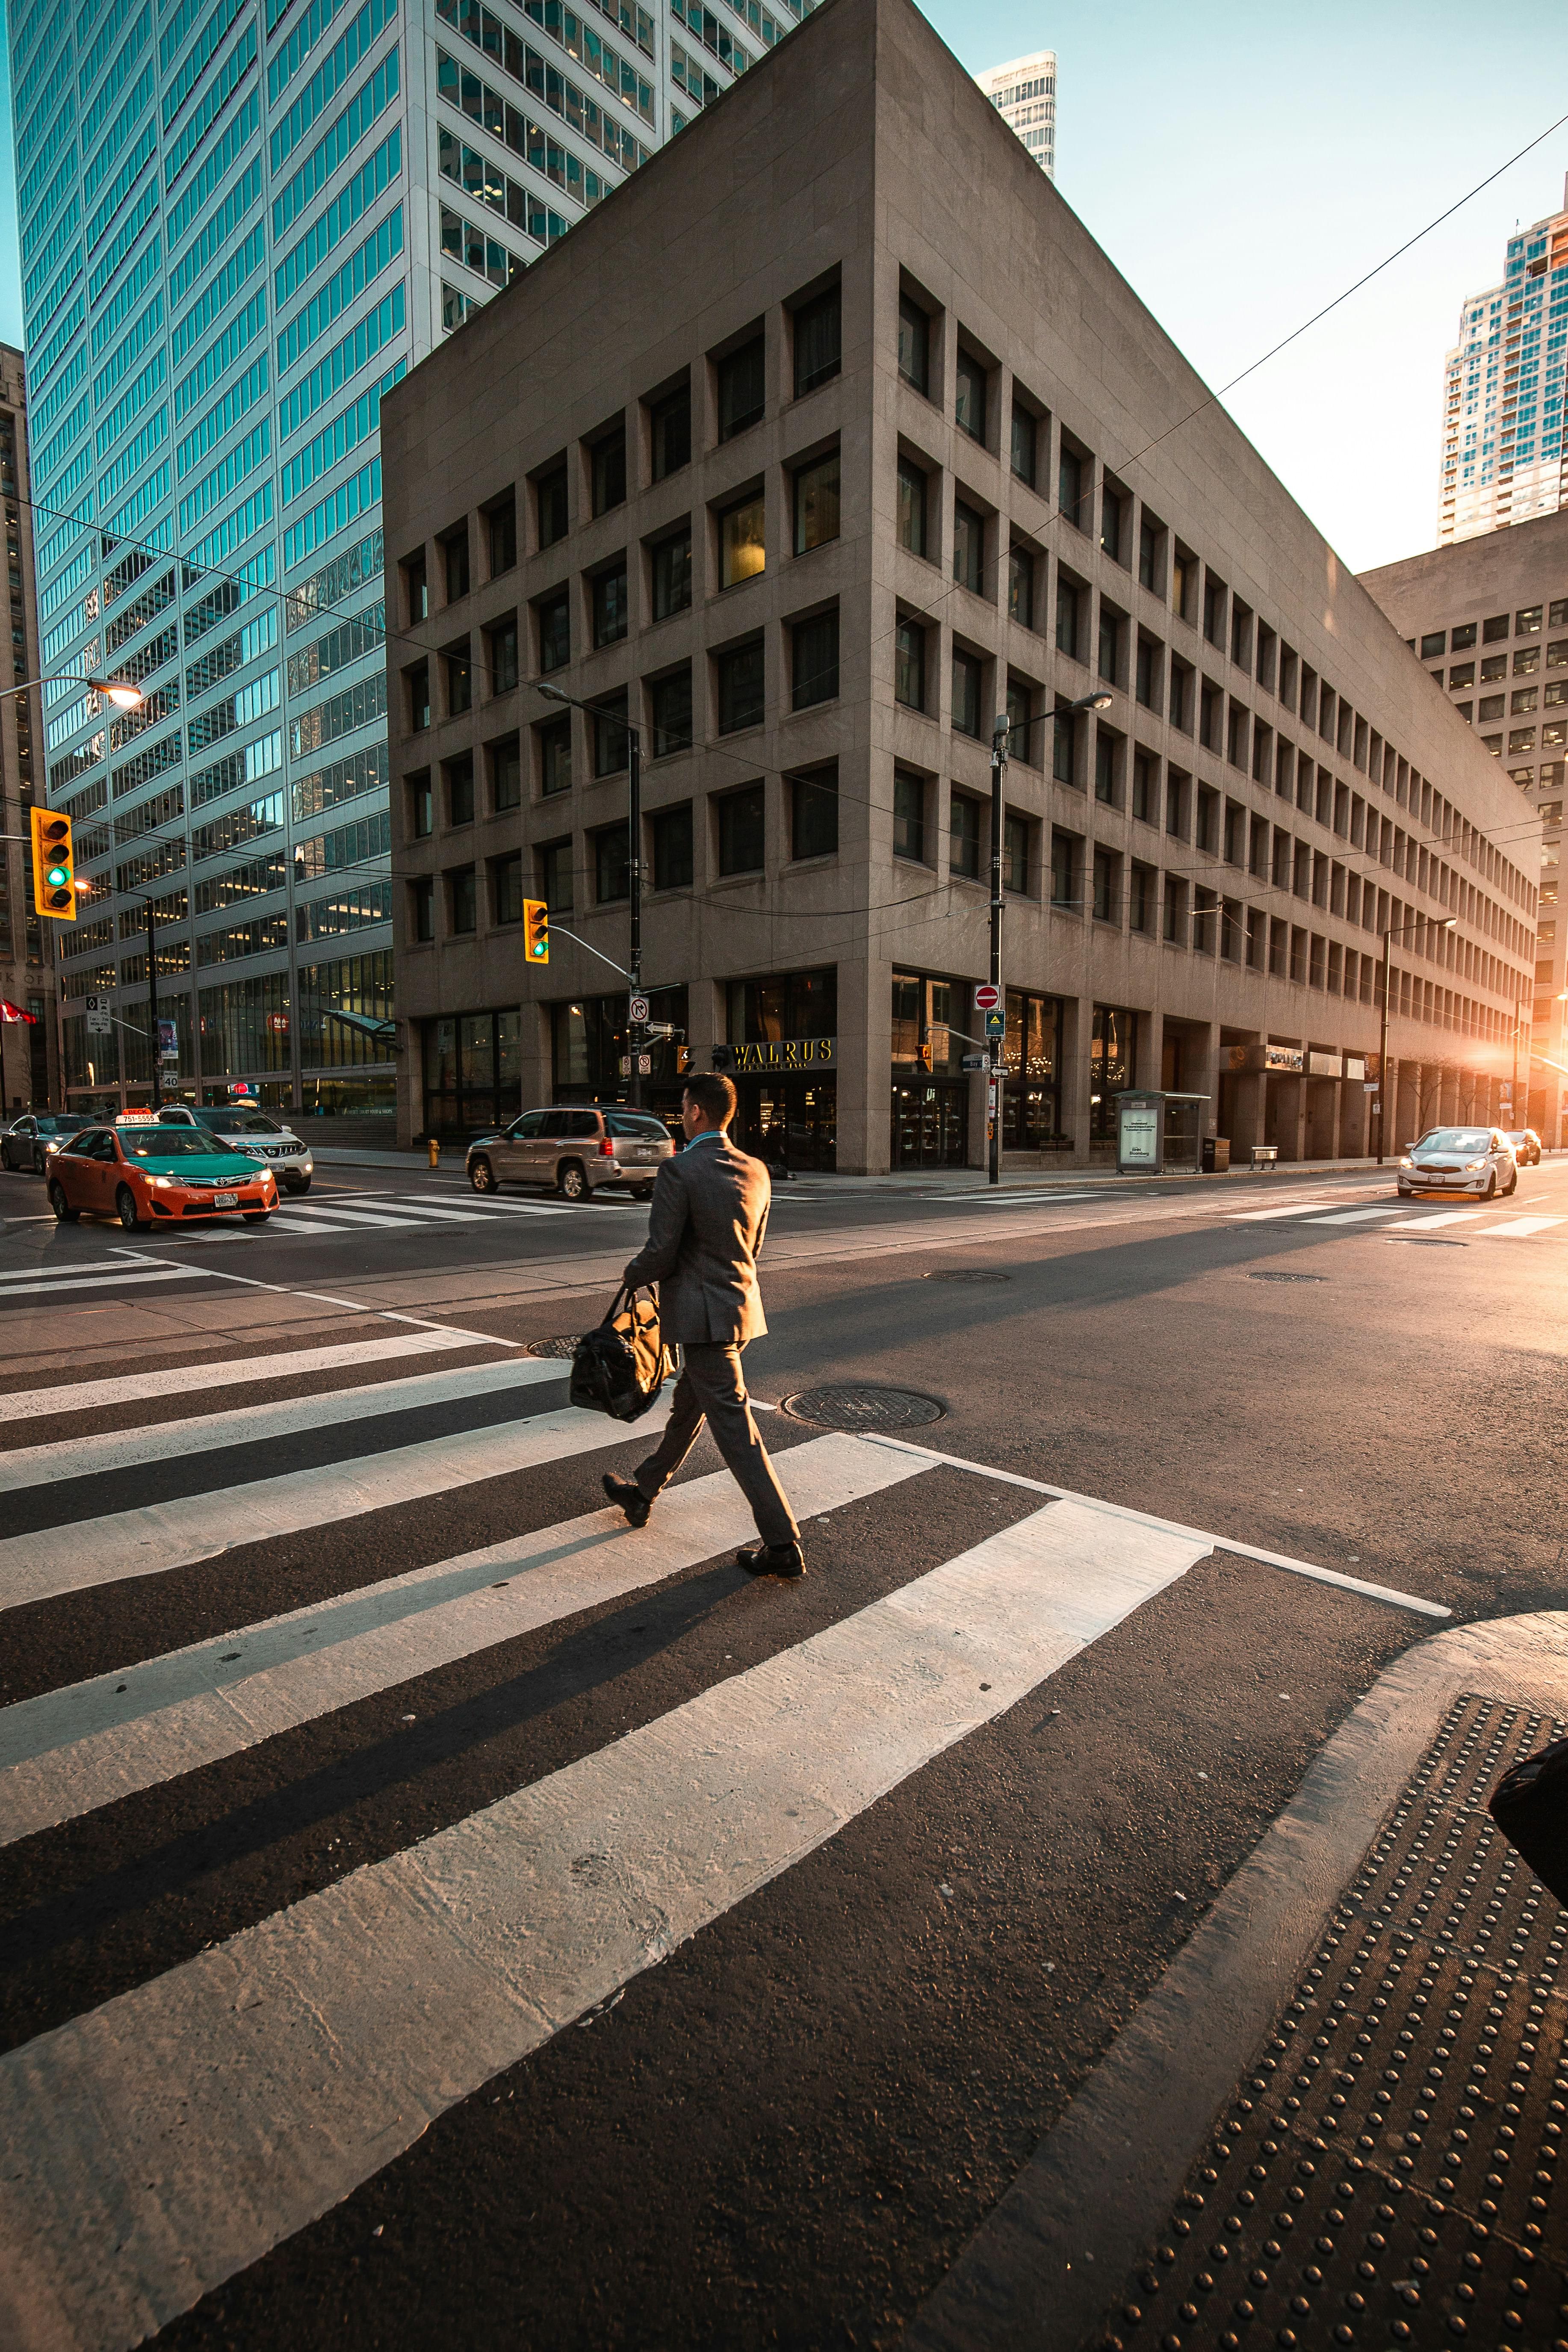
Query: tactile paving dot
(1386,2176)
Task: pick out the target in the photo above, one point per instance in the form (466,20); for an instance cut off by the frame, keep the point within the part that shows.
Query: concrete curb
(1053,2255)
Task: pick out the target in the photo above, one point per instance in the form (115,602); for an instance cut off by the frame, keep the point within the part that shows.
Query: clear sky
(1241,166)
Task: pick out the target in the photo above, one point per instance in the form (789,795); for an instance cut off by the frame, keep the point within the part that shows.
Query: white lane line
(176,2133)
(71,1751)
(1010,1200)
(1173,1527)
(95,1396)
(1389,1216)
(58,1282)
(1518,1229)
(190,1527)
(1443,1217)
(424,1209)
(89,1454)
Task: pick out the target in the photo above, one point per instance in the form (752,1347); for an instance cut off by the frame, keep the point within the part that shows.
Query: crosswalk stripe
(1517,1229)
(97,1396)
(90,1455)
(507,1208)
(1443,1217)
(450,1216)
(1257,1217)
(70,1750)
(191,1528)
(1360,1216)
(56,1281)
(176,2132)
(309,1216)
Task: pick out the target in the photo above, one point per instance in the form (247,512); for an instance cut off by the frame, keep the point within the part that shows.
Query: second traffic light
(536,930)
(54,865)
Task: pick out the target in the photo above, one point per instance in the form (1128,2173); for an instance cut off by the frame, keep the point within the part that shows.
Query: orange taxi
(145,1174)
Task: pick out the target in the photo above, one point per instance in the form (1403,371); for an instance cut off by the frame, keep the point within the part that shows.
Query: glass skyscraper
(240,221)
(1023,92)
(1504,385)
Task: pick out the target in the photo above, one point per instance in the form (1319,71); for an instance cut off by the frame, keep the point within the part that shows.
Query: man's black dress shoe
(787,1560)
(627,1496)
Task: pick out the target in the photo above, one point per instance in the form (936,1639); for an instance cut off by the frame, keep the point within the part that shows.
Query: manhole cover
(1386,2174)
(564,1347)
(1287,1277)
(862,1408)
(967,1274)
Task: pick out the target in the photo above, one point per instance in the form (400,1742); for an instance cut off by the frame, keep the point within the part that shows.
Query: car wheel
(40,1165)
(482,1175)
(1512,1184)
(64,1214)
(255,1216)
(642,1191)
(572,1181)
(1490,1192)
(126,1210)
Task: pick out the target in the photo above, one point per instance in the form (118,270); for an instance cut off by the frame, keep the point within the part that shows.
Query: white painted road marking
(57,1282)
(1389,1216)
(1296,1209)
(96,1396)
(1443,1217)
(177,2132)
(1517,1229)
(70,1750)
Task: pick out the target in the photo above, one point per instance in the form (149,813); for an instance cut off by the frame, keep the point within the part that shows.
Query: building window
(912,508)
(1015,873)
(1434,643)
(1213,610)
(455,554)
(669,421)
(554,618)
(1064,869)
(673,573)
(672,847)
(817,341)
(741,688)
(1464,638)
(556,876)
(968,547)
(464,888)
(909,815)
(1175,910)
(1528,623)
(966,679)
(969,402)
(1105,893)
(507,874)
(421,807)
(554,737)
(1184,582)
(814,814)
(742,387)
(500,646)
(1024,445)
(1021,585)
(422,908)
(549,501)
(609,470)
(1021,744)
(502,524)
(1109,645)
(741,551)
(814,658)
(416,588)
(506,774)
(1105,749)
(1140,898)
(1112,522)
(418,679)
(910,665)
(459,682)
(914,345)
(1149,537)
(963,836)
(1071,601)
(610,604)
(817,503)
(611,865)
(671,701)
(742,831)
(1494,628)
(1145,786)
(1112,1057)
(1070,485)
(608,721)
(459,775)
(1064,747)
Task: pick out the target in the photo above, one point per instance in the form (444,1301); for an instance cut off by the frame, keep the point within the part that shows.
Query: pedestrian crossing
(396,1212)
(169,2131)
(1487,1221)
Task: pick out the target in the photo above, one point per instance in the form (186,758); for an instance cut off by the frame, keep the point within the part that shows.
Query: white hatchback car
(1477,1159)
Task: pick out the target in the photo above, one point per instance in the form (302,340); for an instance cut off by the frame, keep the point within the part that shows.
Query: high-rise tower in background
(1502,457)
(1025,95)
(240,221)
(28,1073)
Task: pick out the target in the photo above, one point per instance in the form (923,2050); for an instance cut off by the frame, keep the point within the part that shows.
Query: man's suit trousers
(712,1389)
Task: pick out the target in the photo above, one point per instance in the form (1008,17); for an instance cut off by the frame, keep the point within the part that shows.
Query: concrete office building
(880,445)
(1024,93)
(1503,385)
(1489,620)
(239,224)
(29,1060)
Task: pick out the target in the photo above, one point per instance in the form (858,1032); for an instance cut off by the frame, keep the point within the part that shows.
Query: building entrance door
(930,1124)
(798,1117)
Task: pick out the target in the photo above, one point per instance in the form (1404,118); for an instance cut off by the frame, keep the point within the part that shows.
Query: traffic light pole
(635,1028)
(994,1075)
(153,1040)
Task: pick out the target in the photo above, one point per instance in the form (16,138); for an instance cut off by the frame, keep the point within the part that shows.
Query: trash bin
(1217,1154)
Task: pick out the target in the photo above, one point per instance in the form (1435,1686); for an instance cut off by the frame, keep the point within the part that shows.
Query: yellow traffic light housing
(536,930)
(54,865)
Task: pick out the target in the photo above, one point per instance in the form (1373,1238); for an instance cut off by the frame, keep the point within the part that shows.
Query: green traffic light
(58,876)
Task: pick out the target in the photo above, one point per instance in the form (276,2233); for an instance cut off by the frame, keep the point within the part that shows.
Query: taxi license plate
(225,1199)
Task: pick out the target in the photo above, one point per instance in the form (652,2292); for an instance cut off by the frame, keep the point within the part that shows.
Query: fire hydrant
(435,1152)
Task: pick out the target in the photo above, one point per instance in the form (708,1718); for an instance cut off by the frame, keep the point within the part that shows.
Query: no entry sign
(986,997)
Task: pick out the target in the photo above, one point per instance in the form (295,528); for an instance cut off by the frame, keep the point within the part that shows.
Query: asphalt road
(579,1945)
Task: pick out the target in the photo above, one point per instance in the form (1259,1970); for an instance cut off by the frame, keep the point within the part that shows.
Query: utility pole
(153,1039)
(1382,1059)
(635,1028)
(994,1076)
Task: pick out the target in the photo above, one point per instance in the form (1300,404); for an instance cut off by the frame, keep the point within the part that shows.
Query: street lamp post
(634,873)
(1419,924)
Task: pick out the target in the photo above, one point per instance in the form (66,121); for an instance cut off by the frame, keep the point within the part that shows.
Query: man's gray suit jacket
(705,1232)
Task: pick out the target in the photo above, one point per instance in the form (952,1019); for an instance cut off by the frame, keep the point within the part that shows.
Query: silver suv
(251,1130)
(579,1149)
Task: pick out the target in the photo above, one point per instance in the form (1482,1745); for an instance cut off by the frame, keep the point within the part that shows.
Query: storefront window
(1112,1055)
(589,1042)
(472,1072)
(1032,1063)
(785,1004)
(924,1011)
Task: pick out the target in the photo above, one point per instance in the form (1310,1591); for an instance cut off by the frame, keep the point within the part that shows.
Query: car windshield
(51,1126)
(241,1122)
(1519,1135)
(627,1122)
(1456,1139)
(173,1143)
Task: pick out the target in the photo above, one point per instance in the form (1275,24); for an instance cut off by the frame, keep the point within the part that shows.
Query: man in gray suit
(705,1230)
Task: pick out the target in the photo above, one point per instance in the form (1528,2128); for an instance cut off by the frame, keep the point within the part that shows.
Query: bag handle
(628,1291)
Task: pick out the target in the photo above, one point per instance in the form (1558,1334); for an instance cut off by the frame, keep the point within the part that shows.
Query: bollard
(435,1153)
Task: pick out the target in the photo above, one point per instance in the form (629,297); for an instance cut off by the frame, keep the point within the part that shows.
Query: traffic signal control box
(54,865)
(536,930)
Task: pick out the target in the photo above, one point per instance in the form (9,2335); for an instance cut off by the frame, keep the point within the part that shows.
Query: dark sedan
(27,1141)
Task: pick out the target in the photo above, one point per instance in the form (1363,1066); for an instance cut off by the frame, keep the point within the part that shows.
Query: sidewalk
(1333,2120)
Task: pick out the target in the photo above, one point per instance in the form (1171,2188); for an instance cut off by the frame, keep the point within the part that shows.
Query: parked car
(254,1132)
(28,1141)
(1477,1159)
(578,1148)
(145,1173)
(1526,1145)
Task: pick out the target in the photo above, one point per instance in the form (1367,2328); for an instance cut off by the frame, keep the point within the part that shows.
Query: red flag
(9,1011)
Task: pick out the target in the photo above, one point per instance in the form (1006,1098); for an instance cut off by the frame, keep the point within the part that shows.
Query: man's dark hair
(714,1096)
